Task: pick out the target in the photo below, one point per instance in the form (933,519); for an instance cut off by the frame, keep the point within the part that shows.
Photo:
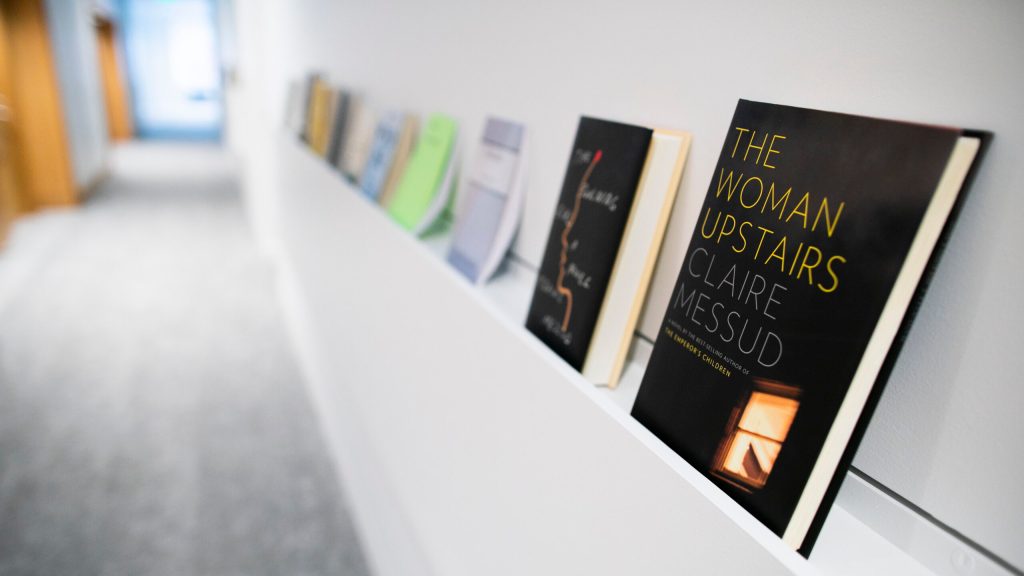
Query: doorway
(119,116)
(172,58)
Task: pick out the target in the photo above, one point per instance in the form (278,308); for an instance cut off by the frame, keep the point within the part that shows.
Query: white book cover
(294,107)
(495,189)
(359,138)
(382,154)
(638,252)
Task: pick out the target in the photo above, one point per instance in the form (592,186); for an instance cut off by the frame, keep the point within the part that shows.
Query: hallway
(153,419)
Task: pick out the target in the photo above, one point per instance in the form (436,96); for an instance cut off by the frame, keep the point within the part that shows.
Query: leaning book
(358,138)
(813,244)
(495,191)
(306,97)
(424,190)
(382,154)
(591,216)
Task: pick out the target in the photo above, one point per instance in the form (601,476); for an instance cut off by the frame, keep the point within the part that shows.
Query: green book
(425,187)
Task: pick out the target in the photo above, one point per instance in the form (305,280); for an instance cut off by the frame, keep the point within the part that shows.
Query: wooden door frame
(115,92)
(38,135)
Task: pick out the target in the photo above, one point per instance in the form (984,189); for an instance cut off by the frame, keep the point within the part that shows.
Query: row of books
(411,172)
(816,237)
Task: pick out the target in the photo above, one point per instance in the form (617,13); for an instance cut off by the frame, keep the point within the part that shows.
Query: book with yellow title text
(796,291)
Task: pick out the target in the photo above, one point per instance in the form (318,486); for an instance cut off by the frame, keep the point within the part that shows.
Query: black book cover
(336,147)
(806,226)
(600,183)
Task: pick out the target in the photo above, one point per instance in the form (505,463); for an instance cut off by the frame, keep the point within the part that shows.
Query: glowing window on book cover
(751,449)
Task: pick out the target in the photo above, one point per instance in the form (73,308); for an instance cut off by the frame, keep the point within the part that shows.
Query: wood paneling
(40,148)
(10,204)
(9,201)
(119,118)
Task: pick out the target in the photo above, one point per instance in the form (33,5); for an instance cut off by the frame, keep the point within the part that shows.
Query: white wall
(946,434)
(107,8)
(253,104)
(85,117)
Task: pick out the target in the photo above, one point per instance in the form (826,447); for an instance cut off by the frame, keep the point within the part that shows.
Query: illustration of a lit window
(756,433)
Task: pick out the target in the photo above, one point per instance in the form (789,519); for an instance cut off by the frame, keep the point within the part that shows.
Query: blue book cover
(382,153)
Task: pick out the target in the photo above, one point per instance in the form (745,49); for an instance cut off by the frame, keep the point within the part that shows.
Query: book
(359,136)
(403,149)
(316,122)
(295,108)
(424,189)
(594,206)
(494,201)
(307,97)
(382,154)
(327,108)
(797,286)
(339,126)
(307,120)
(634,265)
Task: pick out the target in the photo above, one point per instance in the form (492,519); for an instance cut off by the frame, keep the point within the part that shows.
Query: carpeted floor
(152,416)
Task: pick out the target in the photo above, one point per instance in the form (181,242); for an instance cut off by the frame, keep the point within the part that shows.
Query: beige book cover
(317,109)
(330,98)
(402,150)
(638,252)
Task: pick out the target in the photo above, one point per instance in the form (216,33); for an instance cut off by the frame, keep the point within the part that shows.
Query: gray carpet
(152,416)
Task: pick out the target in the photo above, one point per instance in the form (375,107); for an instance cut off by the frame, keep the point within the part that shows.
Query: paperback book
(324,131)
(295,108)
(494,201)
(339,126)
(359,131)
(814,239)
(382,154)
(317,122)
(306,112)
(638,251)
(605,164)
(424,190)
(399,160)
